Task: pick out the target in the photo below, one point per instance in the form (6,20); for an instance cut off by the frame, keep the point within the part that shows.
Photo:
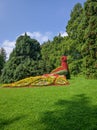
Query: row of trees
(24,61)
(29,58)
(82,29)
(81,44)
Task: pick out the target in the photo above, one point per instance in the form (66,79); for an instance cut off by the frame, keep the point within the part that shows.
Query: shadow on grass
(6,122)
(74,114)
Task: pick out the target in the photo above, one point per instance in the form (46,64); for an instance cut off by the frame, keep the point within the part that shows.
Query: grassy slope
(50,108)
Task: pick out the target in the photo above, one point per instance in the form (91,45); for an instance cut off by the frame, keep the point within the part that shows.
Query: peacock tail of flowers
(44,80)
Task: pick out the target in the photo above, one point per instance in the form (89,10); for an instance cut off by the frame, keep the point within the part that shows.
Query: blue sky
(41,19)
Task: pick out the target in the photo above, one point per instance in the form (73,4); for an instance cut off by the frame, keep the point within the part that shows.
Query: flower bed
(45,80)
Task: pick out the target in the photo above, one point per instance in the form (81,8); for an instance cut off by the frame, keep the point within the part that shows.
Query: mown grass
(72,107)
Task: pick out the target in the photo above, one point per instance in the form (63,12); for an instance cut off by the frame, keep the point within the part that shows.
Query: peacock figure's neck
(64,65)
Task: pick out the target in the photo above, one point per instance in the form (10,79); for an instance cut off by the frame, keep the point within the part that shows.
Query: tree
(2,59)
(75,19)
(74,43)
(23,61)
(89,48)
(26,47)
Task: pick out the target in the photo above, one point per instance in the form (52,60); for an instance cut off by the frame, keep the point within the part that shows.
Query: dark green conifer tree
(2,59)
(74,53)
(23,61)
(89,48)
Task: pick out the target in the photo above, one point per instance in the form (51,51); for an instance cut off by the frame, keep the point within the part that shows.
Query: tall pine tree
(2,59)
(74,44)
(23,61)
(89,48)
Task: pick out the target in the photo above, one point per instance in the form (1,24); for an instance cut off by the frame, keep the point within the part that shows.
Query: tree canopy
(2,59)
(23,61)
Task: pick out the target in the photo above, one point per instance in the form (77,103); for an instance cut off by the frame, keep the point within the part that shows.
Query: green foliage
(81,44)
(23,61)
(89,48)
(73,30)
(52,51)
(75,19)
(26,47)
(2,59)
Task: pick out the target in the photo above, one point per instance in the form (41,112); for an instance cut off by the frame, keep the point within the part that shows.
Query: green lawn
(72,107)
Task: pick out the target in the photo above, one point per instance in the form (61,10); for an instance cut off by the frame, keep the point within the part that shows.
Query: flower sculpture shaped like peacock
(57,77)
(63,69)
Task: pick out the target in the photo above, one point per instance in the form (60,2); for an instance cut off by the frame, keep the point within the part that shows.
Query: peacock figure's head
(64,59)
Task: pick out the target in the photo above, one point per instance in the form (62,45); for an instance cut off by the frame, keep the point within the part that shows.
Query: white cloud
(39,36)
(8,43)
(63,34)
(8,46)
